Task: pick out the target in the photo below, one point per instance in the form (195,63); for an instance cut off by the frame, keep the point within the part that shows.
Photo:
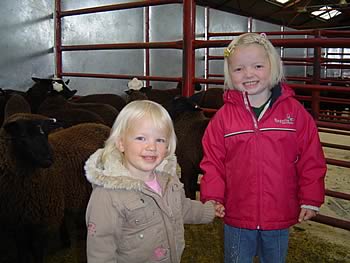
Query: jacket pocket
(175,198)
(136,212)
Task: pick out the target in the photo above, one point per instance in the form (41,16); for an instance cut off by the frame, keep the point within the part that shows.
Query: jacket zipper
(256,129)
(247,106)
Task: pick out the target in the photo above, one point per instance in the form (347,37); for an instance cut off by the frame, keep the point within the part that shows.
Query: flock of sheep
(47,134)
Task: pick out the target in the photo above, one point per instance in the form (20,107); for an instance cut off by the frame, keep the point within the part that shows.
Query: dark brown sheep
(16,103)
(110,99)
(34,199)
(42,88)
(190,124)
(210,99)
(52,104)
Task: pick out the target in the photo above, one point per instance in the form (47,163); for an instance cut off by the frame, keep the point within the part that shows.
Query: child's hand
(219,209)
(306,214)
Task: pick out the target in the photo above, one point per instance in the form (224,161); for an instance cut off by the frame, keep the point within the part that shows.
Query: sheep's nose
(46,163)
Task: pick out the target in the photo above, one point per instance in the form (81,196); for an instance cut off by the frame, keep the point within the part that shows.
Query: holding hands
(219,209)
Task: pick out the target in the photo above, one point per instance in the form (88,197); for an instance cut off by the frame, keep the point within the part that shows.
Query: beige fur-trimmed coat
(129,223)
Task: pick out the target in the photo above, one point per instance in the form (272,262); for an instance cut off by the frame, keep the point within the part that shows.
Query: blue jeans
(242,245)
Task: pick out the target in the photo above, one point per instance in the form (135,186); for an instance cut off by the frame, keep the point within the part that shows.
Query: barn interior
(299,14)
(100,45)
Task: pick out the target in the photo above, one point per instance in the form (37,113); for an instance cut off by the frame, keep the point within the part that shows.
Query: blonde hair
(276,74)
(129,115)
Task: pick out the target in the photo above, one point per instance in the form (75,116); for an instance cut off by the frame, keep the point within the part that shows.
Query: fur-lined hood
(114,175)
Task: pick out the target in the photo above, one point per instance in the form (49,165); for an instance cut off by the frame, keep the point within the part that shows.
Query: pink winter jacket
(262,170)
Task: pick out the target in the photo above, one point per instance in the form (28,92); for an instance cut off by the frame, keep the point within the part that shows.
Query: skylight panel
(282,1)
(278,2)
(326,12)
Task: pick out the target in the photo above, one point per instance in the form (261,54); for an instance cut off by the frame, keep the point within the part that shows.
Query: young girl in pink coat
(262,155)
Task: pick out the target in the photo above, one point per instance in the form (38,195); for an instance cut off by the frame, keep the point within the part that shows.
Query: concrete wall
(26,42)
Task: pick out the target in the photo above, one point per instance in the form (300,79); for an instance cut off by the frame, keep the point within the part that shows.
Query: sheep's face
(43,88)
(181,104)
(135,95)
(29,140)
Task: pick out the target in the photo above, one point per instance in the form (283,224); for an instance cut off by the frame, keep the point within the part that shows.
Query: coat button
(141,236)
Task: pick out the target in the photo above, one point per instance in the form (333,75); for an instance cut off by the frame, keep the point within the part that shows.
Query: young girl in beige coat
(138,208)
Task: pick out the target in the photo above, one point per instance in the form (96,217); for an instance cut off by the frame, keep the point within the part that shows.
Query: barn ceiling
(294,13)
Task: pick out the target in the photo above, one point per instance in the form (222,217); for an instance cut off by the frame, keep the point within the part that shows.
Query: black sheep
(113,100)
(42,88)
(55,104)
(42,178)
(190,124)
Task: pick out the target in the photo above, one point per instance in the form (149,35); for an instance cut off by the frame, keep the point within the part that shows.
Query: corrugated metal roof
(295,13)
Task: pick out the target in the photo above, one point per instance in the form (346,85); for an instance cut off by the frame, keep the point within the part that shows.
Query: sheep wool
(36,199)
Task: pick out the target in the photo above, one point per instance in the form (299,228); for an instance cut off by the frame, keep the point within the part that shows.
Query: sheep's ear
(179,85)
(70,93)
(35,79)
(197,87)
(145,89)
(128,91)
(51,124)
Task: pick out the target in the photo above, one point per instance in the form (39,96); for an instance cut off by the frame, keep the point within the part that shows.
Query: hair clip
(227,52)
(263,35)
